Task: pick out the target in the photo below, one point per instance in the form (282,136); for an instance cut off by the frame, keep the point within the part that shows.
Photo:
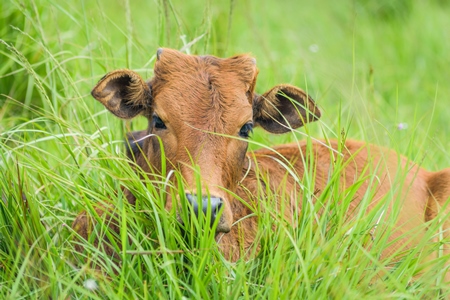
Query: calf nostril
(193,202)
(219,206)
(216,204)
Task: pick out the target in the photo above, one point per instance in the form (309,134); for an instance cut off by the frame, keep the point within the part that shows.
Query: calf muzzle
(213,203)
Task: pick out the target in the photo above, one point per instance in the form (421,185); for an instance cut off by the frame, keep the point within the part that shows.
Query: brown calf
(203,109)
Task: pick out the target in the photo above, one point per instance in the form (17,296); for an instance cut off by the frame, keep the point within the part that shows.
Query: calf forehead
(171,62)
(204,89)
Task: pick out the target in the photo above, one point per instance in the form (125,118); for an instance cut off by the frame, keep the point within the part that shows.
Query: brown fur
(204,102)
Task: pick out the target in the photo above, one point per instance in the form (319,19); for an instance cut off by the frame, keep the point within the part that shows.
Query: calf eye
(246,130)
(158,123)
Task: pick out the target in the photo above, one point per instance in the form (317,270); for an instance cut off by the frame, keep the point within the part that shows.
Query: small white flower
(349,232)
(402,126)
(90,284)
(314,48)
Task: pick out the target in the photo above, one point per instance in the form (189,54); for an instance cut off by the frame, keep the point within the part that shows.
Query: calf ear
(284,107)
(124,93)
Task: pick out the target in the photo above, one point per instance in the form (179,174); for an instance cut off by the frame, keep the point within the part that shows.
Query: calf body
(203,109)
(395,178)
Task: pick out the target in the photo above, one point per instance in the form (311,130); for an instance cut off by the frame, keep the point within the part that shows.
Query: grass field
(379,70)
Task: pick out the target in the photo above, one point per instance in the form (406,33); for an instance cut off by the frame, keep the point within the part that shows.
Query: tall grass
(379,72)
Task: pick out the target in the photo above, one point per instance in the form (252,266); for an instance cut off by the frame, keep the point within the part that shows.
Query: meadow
(379,70)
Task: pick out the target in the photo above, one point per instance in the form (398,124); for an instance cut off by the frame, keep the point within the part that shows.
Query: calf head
(203,109)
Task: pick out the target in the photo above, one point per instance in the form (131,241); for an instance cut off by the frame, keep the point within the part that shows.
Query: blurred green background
(379,71)
(377,62)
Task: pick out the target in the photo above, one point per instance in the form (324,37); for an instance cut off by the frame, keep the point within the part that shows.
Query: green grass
(371,65)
